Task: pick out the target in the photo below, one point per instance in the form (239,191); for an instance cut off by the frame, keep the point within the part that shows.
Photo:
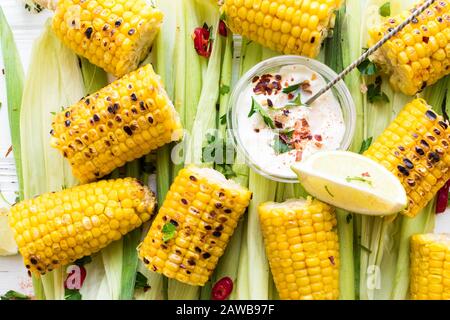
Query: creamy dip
(276,130)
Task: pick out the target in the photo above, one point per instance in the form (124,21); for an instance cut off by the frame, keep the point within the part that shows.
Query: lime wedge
(352,182)
(7,244)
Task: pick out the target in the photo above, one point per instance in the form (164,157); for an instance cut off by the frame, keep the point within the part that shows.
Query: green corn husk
(199,110)
(54,80)
(14,77)
(334,55)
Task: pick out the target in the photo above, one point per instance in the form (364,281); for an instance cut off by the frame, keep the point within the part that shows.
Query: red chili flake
(332,260)
(223,29)
(442,198)
(365,174)
(82,277)
(318,137)
(222,289)
(298,156)
(9,151)
(202,41)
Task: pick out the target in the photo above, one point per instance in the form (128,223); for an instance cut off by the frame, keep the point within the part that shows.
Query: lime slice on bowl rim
(7,244)
(352,182)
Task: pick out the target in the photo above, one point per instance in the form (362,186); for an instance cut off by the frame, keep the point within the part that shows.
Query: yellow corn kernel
(419,154)
(307,22)
(110,36)
(426,39)
(306,266)
(79,234)
(192,229)
(91,128)
(430,277)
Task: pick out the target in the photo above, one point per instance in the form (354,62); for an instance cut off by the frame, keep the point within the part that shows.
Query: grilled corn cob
(420,54)
(194,225)
(415,148)
(112,34)
(290,27)
(55,229)
(120,123)
(430,267)
(302,247)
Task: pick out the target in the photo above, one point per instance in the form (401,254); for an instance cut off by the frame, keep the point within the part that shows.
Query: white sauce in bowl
(299,130)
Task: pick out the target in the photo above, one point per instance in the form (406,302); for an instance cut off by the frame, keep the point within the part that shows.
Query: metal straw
(371,51)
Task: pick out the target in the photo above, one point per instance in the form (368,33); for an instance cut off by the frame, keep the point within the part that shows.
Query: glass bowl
(340,91)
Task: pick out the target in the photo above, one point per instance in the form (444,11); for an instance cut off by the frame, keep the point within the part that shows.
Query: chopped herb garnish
(53,113)
(223,119)
(168,231)
(72,294)
(141,281)
(365,145)
(328,191)
(360,179)
(374,93)
(14,295)
(385,10)
(280,146)
(256,107)
(224,89)
(296,102)
(367,68)
(292,88)
(223,16)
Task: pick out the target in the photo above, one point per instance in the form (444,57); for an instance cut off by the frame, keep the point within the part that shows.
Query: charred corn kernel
(424,38)
(114,34)
(282,25)
(51,232)
(120,123)
(193,226)
(415,147)
(304,261)
(430,267)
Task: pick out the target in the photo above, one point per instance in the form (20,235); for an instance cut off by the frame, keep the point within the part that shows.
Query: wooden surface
(26,28)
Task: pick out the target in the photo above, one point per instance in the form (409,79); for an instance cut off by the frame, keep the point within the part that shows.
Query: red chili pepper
(222,289)
(223,28)
(76,281)
(202,41)
(442,198)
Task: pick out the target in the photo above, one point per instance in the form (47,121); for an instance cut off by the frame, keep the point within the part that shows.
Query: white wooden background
(26,28)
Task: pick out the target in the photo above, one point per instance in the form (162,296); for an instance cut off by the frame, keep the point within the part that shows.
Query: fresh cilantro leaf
(365,145)
(223,119)
(292,88)
(224,89)
(83,261)
(168,231)
(367,68)
(385,10)
(141,281)
(223,16)
(296,102)
(72,294)
(256,107)
(328,191)
(374,94)
(280,146)
(53,113)
(14,295)
(360,179)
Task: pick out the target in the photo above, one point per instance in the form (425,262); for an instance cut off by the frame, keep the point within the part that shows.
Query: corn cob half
(419,55)
(430,267)
(415,147)
(193,226)
(302,248)
(120,123)
(287,26)
(112,34)
(55,229)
